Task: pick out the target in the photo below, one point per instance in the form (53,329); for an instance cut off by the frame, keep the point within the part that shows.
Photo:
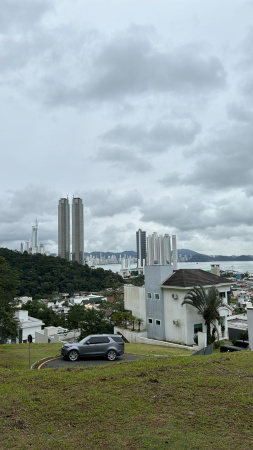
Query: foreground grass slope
(159,403)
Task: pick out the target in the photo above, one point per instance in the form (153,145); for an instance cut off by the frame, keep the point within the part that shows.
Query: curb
(37,363)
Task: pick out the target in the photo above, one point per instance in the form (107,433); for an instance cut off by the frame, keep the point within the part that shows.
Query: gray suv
(108,345)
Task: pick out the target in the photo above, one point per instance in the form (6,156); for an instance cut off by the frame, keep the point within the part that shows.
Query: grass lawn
(177,402)
(149,350)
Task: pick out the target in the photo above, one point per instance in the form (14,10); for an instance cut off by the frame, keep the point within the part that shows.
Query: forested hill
(43,275)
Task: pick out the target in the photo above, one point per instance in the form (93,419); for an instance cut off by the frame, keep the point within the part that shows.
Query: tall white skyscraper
(167,249)
(77,230)
(35,238)
(64,228)
(174,251)
(159,250)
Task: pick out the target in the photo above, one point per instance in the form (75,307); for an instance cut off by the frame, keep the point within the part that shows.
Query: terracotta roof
(193,277)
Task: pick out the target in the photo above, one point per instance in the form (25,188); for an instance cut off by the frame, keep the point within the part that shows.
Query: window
(149,295)
(222,294)
(150,321)
(117,339)
(99,340)
(157,296)
(198,327)
(158,322)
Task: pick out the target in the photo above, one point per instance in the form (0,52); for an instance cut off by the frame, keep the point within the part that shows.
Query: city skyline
(33,245)
(145,113)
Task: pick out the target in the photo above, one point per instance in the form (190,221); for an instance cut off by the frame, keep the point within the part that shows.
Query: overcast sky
(143,108)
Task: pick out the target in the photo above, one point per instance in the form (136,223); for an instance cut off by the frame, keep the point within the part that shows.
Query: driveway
(57,362)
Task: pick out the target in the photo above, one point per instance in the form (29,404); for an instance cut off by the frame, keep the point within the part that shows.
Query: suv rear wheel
(111,355)
(73,355)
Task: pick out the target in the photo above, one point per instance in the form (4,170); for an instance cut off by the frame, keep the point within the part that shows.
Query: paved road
(58,362)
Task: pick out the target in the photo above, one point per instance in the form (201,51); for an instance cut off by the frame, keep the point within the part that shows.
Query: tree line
(41,275)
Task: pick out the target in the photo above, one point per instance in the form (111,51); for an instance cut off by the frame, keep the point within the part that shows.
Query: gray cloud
(157,138)
(94,106)
(120,157)
(225,161)
(115,238)
(132,66)
(239,113)
(129,65)
(191,213)
(107,203)
(16,15)
(20,208)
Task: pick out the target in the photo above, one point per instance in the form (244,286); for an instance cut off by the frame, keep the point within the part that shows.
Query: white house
(27,325)
(181,323)
(165,317)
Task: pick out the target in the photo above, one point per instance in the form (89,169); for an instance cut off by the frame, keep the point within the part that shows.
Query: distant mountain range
(200,257)
(191,256)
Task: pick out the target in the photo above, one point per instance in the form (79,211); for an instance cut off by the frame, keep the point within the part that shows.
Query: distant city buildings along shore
(77,229)
(150,250)
(33,246)
(156,249)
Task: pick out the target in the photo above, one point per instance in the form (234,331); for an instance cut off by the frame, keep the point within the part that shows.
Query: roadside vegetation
(177,402)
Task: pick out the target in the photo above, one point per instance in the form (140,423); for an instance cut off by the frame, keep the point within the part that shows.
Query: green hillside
(157,403)
(42,275)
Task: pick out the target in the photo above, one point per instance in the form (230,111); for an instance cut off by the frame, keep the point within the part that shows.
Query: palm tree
(207,302)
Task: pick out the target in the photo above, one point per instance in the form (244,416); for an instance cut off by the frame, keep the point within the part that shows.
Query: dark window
(117,338)
(198,327)
(157,296)
(150,320)
(158,322)
(99,340)
(149,295)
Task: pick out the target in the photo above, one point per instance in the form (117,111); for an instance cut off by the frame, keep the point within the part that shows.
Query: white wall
(250,326)
(187,317)
(28,325)
(141,338)
(134,300)
(41,337)
(30,330)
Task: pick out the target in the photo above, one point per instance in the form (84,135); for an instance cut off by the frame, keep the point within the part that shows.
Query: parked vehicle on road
(106,345)
(238,346)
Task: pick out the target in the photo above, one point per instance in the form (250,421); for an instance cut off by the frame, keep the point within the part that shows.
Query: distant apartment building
(64,228)
(35,238)
(174,252)
(141,248)
(159,250)
(77,230)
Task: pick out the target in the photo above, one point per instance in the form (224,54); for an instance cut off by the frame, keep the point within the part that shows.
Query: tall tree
(75,316)
(207,302)
(8,323)
(94,322)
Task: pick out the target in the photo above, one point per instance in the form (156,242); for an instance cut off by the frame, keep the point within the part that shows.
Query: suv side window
(99,340)
(117,339)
